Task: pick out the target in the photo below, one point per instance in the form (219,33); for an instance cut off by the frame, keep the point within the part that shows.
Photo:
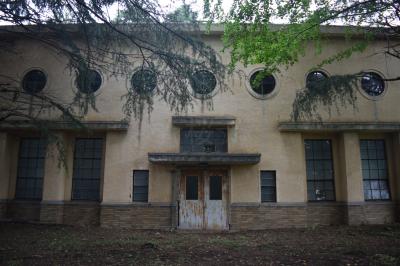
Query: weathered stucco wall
(255,130)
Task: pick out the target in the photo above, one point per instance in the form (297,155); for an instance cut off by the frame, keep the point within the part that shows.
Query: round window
(314,77)
(203,82)
(34,81)
(88,81)
(372,84)
(262,85)
(144,81)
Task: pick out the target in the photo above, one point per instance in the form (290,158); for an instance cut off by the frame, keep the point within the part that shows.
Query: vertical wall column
(352,175)
(5,173)
(55,179)
(396,158)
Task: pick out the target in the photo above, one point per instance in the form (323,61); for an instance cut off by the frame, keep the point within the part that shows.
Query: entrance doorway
(203,200)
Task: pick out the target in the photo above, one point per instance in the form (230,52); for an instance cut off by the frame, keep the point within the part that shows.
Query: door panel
(203,200)
(216,194)
(191,204)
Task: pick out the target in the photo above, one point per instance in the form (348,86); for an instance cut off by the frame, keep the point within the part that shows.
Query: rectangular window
(215,187)
(268,186)
(203,140)
(140,185)
(87,169)
(319,168)
(32,153)
(374,170)
(192,187)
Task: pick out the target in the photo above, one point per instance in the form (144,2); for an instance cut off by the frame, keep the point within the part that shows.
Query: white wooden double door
(203,200)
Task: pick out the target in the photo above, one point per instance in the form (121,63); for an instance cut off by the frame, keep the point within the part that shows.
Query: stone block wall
(257,217)
(138,216)
(3,209)
(162,216)
(51,213)
(371,213)
(81,213)
(23,210)
(325,213)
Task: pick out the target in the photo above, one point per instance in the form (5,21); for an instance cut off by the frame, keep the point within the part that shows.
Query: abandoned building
(242,164)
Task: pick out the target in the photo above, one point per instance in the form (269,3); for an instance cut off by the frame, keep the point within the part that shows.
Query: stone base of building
(138,216)
(372,213)
(71,213)
(163,216)
(267,216)
(278,215)
(81,213)
(23,211)
(398,212)
(3,209)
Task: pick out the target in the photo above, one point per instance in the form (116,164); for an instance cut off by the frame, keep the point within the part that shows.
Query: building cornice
(339,126)
(65,125)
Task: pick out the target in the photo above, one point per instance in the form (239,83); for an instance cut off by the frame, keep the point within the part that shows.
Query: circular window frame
(208,95)
(255,94)
(314,70)
(29,70)
(365,94)
(75,85)
(131,73)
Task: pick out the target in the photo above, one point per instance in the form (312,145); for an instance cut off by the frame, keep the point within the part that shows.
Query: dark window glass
(203,82)
(374,170)
(319,168)
(140,185)
(88,81)
(192,187)
(315,78)
(268,186)
(203,140)
(215,188)
(87,169)
(144,81)
(372,84)
(32,153)
(262,85)
(34,81)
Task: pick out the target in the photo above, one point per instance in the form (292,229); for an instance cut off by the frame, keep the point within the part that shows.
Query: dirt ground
(33,244)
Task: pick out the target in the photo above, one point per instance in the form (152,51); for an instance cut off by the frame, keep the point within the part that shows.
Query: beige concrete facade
(255,131)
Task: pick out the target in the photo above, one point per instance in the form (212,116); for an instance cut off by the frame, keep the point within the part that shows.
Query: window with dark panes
(192,187)
(203,140)
(319,165)
(215,188)
(32,153)
(140,185)
(87,169)
(268,186)
(374,170)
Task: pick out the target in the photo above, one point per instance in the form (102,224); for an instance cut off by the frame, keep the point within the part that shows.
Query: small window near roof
(34,81)
(140,185)
(268,186)
(144,81)
(203,83)
(262,85)
(314,78)
(203,140)
(372,84)
(88,81)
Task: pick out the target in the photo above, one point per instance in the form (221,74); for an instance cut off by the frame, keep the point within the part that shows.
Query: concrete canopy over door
(203,199)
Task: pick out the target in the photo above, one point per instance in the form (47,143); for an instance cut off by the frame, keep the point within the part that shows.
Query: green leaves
(253,36)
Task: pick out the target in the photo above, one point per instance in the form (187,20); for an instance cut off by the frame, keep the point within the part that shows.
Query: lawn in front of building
(34,244)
